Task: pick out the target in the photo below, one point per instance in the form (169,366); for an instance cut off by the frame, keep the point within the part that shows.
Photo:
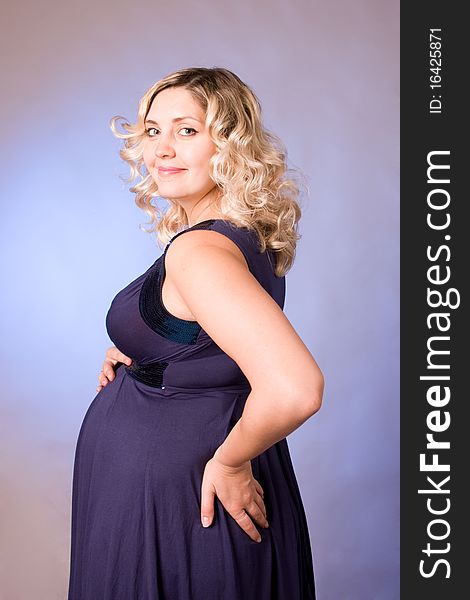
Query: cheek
(200,151)
(203,157)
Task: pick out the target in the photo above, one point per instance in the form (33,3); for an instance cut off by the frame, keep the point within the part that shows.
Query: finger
(110,355)
(99,388)
(102,379)
(123,358)
(207,505)
(115,356)
(244,521)
(257,514)
(108,371)
(262,507)
(259,488)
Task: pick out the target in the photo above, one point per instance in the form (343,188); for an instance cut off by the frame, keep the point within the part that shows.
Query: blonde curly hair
(249,166)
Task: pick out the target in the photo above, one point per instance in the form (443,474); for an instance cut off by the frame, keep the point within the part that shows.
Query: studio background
(326,73)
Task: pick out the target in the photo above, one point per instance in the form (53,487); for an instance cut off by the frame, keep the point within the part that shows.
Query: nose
(163,148)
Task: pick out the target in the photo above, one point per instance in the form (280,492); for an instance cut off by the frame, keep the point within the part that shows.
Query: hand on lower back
(238,491)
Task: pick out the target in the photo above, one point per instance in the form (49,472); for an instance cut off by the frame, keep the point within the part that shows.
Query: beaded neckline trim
(152,309)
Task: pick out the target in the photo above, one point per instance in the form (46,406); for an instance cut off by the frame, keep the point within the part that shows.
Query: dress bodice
(168,350)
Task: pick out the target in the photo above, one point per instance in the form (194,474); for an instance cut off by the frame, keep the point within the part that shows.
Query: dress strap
(246,240)
(202,225)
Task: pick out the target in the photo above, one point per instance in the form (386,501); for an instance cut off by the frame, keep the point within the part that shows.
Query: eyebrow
(175,120)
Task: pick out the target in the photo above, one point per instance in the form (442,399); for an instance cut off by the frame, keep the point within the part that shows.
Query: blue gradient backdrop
(326,73)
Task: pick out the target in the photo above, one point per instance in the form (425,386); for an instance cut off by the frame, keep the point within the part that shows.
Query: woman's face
(177,147)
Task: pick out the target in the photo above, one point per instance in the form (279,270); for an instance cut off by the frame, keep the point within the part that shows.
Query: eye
(188,129)
(150,131)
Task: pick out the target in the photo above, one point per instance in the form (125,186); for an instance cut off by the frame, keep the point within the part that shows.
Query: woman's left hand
(240,494)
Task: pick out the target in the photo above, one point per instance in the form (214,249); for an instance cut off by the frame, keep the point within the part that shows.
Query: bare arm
(212,278)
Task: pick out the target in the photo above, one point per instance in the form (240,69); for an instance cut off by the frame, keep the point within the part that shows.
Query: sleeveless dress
(136,531)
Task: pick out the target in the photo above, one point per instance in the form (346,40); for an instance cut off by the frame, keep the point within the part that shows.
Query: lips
(169,170)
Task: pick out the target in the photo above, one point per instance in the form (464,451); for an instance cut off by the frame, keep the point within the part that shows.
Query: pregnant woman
(183,485)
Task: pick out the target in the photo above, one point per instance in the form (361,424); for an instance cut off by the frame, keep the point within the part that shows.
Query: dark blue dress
(145,439)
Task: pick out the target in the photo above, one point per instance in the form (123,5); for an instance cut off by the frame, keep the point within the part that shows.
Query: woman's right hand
(107,374)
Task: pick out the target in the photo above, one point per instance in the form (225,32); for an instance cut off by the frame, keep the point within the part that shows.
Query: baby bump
(132,431)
